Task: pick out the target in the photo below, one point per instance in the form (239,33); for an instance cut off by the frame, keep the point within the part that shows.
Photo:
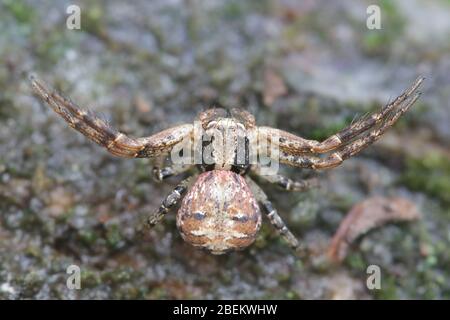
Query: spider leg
(273,215)
(367,123)
(161,172)
(293,144)
(287,184)
(171,200)
(158,165)
(347,151)
(99,131)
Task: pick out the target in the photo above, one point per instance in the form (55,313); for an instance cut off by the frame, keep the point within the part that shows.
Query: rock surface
(150,64)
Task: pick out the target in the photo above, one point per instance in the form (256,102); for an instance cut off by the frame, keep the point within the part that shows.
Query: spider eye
(199,215)
(240,217)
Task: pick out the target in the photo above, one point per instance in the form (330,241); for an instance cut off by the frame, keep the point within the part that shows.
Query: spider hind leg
(170,201)
(274,217)
(286,183)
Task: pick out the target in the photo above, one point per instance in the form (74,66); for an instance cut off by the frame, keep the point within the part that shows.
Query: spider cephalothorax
(220,209)
(225,139)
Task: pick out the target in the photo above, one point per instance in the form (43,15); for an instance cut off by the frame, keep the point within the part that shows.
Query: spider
(221,205)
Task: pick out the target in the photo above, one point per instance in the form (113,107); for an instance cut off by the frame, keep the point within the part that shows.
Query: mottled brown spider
(220,207)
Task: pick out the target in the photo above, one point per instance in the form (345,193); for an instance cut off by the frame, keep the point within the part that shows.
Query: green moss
(342,202)
(7,109)
(263,238)
(378,42)
(129,292)
(430,175)
(32,283)
(312,22)
(123,275)
(157,293)
(388,289)
(374,41)
(93,21)
(90,279)
(232,10)
(21,11)
(326,131)
(114,237)
(292,295)
(356,261)
(52,48)
(142,172)
(282,277)
(34,252)
(65,216)
(430,279)
(30,220)
(88,237)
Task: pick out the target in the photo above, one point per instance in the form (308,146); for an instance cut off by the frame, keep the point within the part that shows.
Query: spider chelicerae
(220,204)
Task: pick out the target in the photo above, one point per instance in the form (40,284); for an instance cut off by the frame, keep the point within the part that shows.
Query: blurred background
(308,67)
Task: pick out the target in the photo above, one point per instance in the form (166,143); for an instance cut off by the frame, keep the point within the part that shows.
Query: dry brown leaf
(142,104)
(60,200)
(274,87)
(366,215)
(16,191)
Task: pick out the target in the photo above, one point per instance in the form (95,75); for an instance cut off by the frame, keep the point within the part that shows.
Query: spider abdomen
(219,213)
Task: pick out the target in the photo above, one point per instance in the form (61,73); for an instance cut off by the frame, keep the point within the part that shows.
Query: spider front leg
(363,125)
(285,183)
(273,215)
(102,133)
(292,144)
(349,150)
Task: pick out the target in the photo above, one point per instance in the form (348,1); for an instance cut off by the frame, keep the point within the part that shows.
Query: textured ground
(150,64)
